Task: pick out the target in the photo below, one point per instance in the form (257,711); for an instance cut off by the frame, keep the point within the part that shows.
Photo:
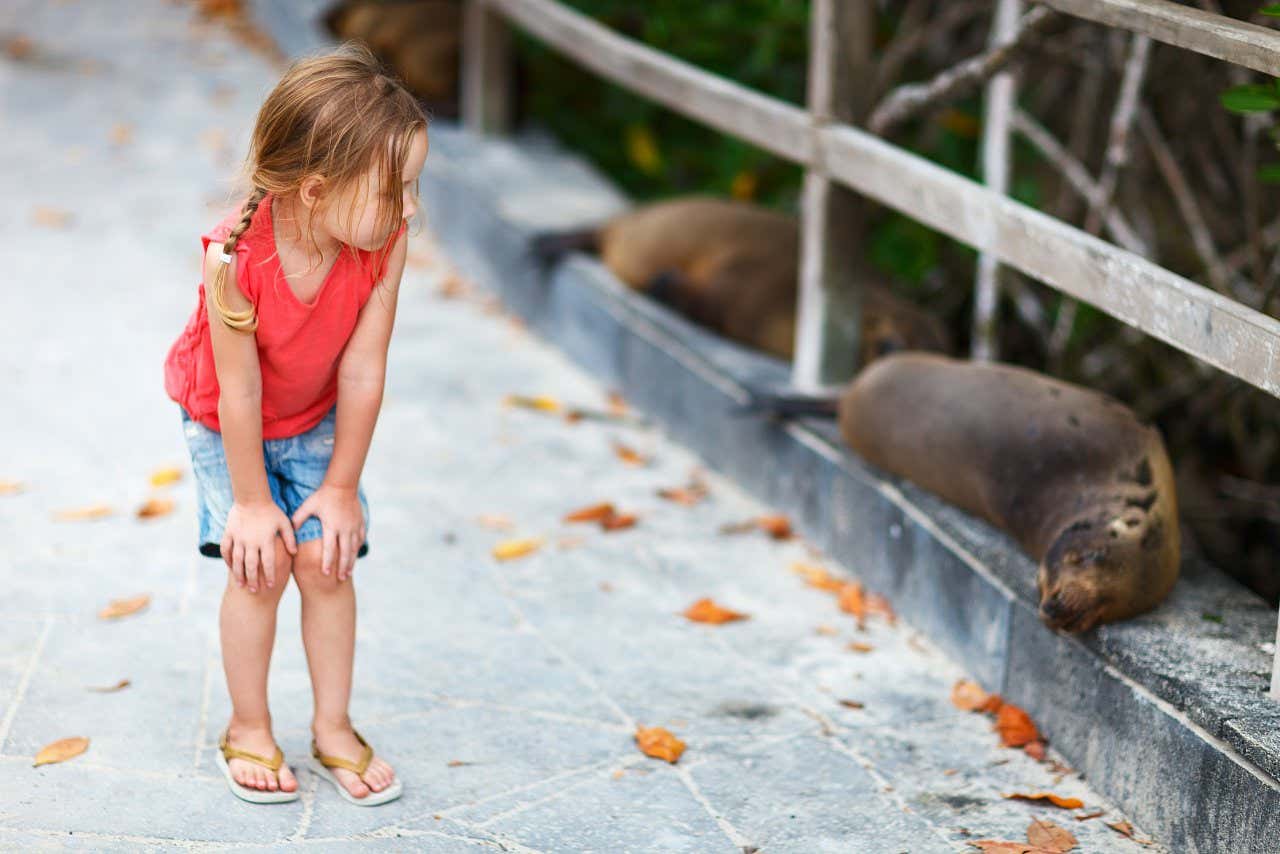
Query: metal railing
(842,160)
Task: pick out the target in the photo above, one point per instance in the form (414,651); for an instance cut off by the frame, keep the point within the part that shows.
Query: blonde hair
(337,115)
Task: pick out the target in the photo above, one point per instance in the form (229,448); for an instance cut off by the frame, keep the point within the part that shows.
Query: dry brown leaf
(816,576)
(852,600)
(61,750)
(110,689)
(659,743)
(1034,749)
(1056,800)
(592,513)
(19,48)
(707,611)
(1089,815)
(122,133)
(83,514)
(776,526)
(154,507)
(629,455)
(618,521)
(1124,828)
(852,704)
(495,521)
(511,549)
(859,646)
(605,586)
(50,217)
(1045,834)
(969,696)
(118,608)
(1015,726)
(11,487)
(879,605)
(688,495)
(165,476)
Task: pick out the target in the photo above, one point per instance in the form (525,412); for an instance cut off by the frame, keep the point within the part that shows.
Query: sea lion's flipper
(550,247)
(788,404)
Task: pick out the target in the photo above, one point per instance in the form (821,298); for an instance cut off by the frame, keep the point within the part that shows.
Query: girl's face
(354,215)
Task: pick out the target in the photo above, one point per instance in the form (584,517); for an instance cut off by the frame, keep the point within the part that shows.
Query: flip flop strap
(230,753)
(338,762)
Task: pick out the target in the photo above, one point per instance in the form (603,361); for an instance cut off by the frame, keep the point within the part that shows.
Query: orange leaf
(111,689)
(859,646)
(50,217)
(617,404)
(706,611)
(61,750)
(122,133)
(593,513)
(776,526)
(1056,800)
(686,495)
(511,549)
(1015,726)
(852,600)
(816,576)
(1043,833)
(879,605)
(155,507)
(618,521)
(82,514)
(166,476)
(970,697)
(629,455)
(118,608)
(1035,749)
(11,487)
(1089,815)
(659,743)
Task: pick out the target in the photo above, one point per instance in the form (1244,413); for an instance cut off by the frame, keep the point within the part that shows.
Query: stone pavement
(506,694)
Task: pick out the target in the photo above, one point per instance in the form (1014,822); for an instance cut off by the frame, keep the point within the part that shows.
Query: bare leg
(247,622)
(329,636)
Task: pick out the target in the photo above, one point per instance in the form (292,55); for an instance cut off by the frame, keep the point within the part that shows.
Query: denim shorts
(296,466)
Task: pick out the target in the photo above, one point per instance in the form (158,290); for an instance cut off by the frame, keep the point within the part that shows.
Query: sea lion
(420,39)
(733,267)
(1073,475)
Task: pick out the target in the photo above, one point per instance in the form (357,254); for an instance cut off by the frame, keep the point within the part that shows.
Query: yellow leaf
(744,186)
(81,514)
(659,743)
(511,549)
(155,507)
(117,608)
(642,149)
(166,476)
(61,750)
(542,403)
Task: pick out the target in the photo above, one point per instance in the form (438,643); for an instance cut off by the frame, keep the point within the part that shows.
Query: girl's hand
(249,543)
(342,523)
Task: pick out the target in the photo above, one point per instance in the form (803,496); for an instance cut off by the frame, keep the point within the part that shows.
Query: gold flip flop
(321,764)
(256,796)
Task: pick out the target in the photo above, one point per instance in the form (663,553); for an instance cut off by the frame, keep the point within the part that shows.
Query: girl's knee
(307,574)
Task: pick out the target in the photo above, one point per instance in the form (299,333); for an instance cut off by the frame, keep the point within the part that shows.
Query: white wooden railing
(843,162)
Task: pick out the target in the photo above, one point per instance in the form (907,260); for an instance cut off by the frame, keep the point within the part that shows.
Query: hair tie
(225,258)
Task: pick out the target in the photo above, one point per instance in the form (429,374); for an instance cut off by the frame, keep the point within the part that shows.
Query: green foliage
(1251,98)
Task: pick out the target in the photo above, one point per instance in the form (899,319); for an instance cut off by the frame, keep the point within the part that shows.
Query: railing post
(829,313)
(1275,666)
(486,69)
(998,106)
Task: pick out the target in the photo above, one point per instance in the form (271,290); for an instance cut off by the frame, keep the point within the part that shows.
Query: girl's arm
(361,376)
(249,542)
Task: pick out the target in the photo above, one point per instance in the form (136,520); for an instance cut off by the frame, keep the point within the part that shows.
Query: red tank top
(299,344)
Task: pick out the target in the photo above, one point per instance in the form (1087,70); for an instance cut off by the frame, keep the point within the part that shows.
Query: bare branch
(909,42)
(915,98)
(1135,69)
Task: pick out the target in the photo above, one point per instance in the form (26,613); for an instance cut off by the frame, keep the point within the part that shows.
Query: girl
(279,375)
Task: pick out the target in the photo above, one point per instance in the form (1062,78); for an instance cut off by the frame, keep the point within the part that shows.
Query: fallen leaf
(122,684)
(687,495)
(707,611)
(61,750)
(605,587)
(824,629)
(995,846)
(592,513)
(511,549)
(852,704)
(879,605)
(19,48)
(1124,828)
(1034,749)
(50,217)
(618,521)
(618,774)
(1015,726)
(166,476)
(118,608)
(458,763)
(629,455)
(852,600)
(541,403)
(1056,800)
(659,743)
(453,286)
(122,133)
(777,526)
(82,514)
(1089,815)
(155,507)
(11,487)
(859,646)
(495,521)
(1045,834)
(969,696)
(617,404)
(816,576)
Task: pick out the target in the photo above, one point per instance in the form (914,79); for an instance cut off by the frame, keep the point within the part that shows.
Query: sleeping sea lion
(419,39)
(1085,488)
(733,267)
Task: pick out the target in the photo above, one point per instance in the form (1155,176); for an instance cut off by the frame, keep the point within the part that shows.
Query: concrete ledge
(1166,714)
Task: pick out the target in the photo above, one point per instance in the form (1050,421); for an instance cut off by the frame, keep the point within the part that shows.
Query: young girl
(279,375)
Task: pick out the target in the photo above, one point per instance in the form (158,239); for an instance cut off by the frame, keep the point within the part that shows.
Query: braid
(245,321)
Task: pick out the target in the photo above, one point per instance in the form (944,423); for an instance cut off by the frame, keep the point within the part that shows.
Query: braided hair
(247,320)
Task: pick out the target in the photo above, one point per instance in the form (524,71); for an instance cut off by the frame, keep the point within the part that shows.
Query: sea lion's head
(1090,572)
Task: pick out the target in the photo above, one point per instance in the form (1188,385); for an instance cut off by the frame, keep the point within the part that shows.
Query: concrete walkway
(506,694)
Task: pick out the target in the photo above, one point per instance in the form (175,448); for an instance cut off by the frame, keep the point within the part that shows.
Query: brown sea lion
(1073,475)
(733,267)
(419,39)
